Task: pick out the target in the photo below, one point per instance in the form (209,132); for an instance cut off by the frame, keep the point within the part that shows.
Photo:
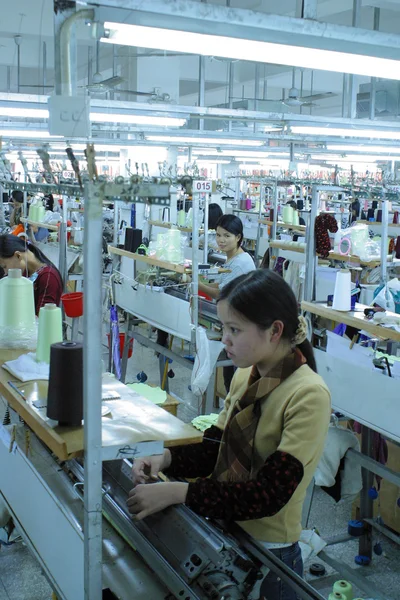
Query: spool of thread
(248,204)
(271,214)
(397,248)
(133,239)
(296,220)
(396,217)
(342,293)
(40,213)
(65,393)
(33,212)
(374,204)
(336,596)
(343,587)
(288,215)
(50,331)
(174,245)
(17,304)
(379,216)
(370,214)
(322,205)
(181,218)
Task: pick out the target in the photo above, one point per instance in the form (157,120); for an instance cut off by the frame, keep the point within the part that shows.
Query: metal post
(230,90)
(92,328)
(384,238)
(190,153)
(116,223)
(195,265)
(256,91)
(275,213)
(8,79)
(311,257)
(44,67)
(366,503)
(205,249)
(17,39)
(90,65)
(202,86)
(353,78)
(309,9)
(372,96)
(260,211)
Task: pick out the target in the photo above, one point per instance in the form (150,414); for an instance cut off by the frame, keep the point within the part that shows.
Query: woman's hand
(148,467)
(145,500)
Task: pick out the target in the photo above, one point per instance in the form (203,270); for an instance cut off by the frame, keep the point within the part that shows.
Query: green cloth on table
(203,422)
(154,394)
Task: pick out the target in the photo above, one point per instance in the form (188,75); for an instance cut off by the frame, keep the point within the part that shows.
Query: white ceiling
(33,21)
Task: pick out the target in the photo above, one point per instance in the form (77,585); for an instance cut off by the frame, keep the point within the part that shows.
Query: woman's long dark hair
(263,297)
(214,215)
(10,244)
(232,224)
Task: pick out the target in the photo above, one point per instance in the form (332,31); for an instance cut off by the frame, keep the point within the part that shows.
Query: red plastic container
(121,344)
(73,304)
(205,296)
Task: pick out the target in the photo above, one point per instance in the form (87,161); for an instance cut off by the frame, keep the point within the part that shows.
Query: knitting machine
(193,557)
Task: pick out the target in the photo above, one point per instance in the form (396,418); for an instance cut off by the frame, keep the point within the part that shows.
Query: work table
(133,418)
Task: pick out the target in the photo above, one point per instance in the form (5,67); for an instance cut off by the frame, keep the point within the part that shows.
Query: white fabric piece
(25,368)
(207,353)
(338,441)
(310,544)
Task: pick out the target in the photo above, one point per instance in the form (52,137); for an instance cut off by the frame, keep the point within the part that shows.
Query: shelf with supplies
(162,264)
(353,318)
(172,226)
(282,224)
(353,259)
(48,226)
(287,246)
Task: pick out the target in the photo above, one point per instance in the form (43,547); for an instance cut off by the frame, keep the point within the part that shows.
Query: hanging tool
(24,166)
(45,158)
(90,156)
(74,164)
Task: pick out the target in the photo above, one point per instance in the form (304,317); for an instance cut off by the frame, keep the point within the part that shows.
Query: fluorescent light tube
(255,51)
(137,119)
(213,161)
(29,113)
(349,148)
(198,140)
(27,133)
(361,133)
(354,157)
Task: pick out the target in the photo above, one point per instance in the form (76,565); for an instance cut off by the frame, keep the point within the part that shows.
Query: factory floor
(21,577)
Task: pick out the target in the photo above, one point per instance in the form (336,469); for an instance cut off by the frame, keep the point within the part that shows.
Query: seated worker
(229,239)
(18,253)
(214,215)
(17,199)
(255,465)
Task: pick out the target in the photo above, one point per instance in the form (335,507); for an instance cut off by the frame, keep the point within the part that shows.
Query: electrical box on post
(69,116)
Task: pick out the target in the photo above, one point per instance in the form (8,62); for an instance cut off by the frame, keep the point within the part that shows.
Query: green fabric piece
(154,394)
(203,422)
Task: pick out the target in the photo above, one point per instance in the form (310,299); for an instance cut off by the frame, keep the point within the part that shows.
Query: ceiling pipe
(372,96)
(65,47)
(17,40)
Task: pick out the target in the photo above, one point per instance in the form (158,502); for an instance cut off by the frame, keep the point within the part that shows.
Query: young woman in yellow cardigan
(270,435)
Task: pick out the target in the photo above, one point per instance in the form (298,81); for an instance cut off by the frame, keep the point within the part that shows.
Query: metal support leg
(92,327)
(128,337)
(366,503)
(208,405)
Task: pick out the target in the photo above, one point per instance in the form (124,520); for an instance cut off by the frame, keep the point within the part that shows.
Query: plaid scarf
(238,459)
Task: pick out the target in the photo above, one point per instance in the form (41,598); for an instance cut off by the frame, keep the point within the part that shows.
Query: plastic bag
(388,296)
(207,353)
(370,251)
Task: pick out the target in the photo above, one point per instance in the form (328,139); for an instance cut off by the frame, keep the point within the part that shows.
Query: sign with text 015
(201,186)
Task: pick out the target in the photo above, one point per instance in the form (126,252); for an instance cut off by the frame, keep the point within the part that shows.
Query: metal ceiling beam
(240,23)
(32,100)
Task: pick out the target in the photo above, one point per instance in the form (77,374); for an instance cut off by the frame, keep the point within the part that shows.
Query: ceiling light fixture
(360,133)
(24,113)
(137,119)
(27,133)
(255,51)
(358,148)
(199,140)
